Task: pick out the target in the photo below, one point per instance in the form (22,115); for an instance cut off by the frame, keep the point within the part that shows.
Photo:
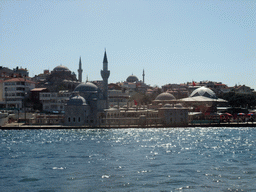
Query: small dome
(167,105)
(76,100)
(203,91)
(165,96)
(112,109)
(178,105)
(85,87)
(132,79)
(61,68)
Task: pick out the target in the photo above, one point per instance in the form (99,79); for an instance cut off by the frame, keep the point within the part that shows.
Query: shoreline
(20,126)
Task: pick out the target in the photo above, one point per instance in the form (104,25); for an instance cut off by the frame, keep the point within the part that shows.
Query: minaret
(80,71)
(105,75)
(143,75)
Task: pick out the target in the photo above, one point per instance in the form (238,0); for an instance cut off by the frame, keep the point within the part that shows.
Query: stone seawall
(23,126)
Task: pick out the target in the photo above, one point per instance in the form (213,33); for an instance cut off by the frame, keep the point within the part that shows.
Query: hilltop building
(60,78)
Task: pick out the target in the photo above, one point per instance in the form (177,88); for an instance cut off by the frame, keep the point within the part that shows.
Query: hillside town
(60,97)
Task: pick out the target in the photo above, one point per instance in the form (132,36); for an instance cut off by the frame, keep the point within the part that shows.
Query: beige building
(54,101)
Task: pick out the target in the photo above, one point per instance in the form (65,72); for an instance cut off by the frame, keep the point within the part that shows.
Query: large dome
(132,79)
(76,100)
(85,87)
(61,68)
(165,96)
(203,91)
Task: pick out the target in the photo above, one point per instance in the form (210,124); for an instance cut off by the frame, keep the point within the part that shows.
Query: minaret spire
(143,75)
(105,75)
(80,70)
(105,60)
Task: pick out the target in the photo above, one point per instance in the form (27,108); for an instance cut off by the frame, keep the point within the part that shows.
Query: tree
(240,100)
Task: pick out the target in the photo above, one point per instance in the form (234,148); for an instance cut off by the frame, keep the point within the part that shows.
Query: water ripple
(182,159)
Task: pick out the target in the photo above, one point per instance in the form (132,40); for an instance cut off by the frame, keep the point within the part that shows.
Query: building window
(74,119)
(69,119)
(78,119)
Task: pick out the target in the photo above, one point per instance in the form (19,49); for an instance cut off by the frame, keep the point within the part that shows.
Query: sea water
(166,159)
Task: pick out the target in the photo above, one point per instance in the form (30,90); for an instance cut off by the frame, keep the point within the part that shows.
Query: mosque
(88,101)
(89,105)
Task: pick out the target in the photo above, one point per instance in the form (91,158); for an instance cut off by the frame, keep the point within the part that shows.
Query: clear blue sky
(175,41)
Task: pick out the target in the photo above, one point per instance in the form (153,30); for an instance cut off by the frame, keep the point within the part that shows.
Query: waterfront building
(118,98)
(203,100)
(173,115)
(77,112)
(54,101)
(168,115)
(15,90)
(2,93)
(95,100)
(130,117)
(162,99)
(46,119)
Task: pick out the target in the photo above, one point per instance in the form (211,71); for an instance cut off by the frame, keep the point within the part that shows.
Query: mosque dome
(76,100)
(203,91)
(132,79)
(167,105)
(178,105)
(86,87)
(61,68)
(165,96)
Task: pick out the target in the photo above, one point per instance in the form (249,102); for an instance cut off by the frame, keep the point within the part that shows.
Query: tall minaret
(143,75)
(105,75)
(80,71)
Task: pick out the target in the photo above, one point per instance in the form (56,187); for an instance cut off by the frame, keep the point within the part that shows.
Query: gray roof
(165,96)
(132,78)
(77,101)
(60,68)
(202,99)
(86,87)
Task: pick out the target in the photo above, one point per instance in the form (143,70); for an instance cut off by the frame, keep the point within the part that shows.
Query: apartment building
(15,90)
(54,101)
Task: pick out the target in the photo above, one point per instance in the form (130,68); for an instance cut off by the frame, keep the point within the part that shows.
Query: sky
(174,41)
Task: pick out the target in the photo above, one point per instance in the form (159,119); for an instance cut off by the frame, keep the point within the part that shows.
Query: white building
(54,101)
(118,98)
(15,90)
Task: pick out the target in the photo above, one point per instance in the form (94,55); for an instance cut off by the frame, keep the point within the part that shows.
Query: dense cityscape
(60,97)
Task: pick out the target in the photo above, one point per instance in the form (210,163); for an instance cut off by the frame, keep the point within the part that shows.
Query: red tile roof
(38,89)
(19,80)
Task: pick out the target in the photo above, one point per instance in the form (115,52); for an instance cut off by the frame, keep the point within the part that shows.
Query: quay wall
(23,126)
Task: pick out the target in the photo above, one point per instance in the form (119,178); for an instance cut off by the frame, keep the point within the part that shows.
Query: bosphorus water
(160,159)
